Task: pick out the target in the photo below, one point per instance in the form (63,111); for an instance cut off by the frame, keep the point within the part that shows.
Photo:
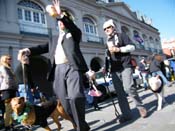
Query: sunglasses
(9,58)
(107,28)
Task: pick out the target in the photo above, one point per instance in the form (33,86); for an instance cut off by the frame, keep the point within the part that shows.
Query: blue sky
(162,13)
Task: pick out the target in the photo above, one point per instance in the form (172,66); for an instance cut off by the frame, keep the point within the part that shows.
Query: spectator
(156,66)
(2,109)
(118,57)
(144,72)
(137,77)
(24,78)
(138,72)
(92,82)
(8,89)
(167,70)
(172,65)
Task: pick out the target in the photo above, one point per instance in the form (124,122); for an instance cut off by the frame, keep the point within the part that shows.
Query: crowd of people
(155,65)
(68,70)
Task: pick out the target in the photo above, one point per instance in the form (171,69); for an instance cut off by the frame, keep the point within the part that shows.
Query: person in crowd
(172,66)
(24,78)
(68,66)
(144,72)
(138,72)
(92,82)
(118,63)
(8,89)
(167,70)
(155,68)
(137,77)
(2,110)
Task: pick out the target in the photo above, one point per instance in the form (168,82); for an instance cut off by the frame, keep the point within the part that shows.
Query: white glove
(22,53)
(91,74)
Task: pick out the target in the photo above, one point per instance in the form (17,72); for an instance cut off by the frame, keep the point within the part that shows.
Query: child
(92,85)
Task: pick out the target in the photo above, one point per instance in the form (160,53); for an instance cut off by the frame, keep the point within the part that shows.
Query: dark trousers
(123,81)
(68,87)
(2,107)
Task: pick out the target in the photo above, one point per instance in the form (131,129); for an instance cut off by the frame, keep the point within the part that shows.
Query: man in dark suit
(68,66)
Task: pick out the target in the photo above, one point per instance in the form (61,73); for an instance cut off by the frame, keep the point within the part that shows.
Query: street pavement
(105,119)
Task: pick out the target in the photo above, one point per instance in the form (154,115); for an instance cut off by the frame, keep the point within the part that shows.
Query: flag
(138,39)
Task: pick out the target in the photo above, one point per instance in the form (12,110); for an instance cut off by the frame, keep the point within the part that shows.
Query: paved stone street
(105,120)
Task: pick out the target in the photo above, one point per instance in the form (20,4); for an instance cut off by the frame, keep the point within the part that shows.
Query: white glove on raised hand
(22,53)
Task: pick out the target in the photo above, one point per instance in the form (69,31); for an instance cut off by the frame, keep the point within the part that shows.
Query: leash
(117,114)
(108,69)
(24,80)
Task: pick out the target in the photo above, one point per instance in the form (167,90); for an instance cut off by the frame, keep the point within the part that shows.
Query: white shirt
(60,56)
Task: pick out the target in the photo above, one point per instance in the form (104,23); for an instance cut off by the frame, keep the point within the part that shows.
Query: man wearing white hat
(118,56)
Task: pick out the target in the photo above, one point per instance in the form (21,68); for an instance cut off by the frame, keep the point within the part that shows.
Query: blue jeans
(144,78)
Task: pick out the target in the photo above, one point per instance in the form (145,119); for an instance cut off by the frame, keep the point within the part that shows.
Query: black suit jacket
(70,45)
(123,60)
(28,76)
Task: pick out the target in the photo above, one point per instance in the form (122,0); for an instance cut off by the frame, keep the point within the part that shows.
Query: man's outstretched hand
(56,4)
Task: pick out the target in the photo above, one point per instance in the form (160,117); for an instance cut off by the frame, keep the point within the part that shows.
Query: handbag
(94,91)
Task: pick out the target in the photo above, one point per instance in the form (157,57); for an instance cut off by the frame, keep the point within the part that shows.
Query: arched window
(146,42)
(90,30)
(31,17)
(89,26)
(125,30)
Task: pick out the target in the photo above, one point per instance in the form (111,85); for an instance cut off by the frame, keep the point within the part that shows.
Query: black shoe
(123,119)
(7,128)
(88,129)
(1,124)
(10,128)
(97,108)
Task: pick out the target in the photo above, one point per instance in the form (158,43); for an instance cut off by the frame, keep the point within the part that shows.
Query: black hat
(67,14)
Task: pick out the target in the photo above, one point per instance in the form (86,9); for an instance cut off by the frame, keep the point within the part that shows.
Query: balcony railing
(32,28)
(92,38)
(139,46)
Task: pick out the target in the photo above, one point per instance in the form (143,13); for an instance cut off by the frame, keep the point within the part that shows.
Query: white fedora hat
(108,23)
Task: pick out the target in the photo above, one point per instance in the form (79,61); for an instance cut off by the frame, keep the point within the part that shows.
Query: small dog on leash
(156,86)
(28,114)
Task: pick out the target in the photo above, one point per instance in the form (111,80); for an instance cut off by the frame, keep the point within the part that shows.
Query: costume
(67,75)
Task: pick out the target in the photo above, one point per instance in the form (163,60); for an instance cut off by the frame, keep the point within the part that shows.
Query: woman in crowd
(8,88)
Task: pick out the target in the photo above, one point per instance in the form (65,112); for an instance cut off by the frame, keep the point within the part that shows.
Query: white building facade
(25,23)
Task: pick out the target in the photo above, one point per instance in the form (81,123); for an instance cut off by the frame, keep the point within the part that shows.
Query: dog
(28,114)
(156,86)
